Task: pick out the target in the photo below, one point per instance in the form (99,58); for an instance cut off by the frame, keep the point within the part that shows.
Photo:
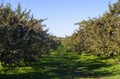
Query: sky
(62,14)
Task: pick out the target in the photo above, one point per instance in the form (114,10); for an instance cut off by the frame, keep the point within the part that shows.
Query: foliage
(22,37)
(99,36)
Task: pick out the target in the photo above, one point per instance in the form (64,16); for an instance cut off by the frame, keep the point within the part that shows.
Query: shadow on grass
(62,68)
(29,75)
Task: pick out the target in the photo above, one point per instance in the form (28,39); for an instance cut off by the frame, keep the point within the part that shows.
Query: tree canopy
(99,36)
(22,37)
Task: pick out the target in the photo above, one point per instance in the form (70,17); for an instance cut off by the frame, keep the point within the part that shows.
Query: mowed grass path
(64,65)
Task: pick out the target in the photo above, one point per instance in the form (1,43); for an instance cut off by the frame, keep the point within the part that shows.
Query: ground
(66,65)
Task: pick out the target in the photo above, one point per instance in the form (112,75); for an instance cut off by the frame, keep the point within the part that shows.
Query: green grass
(66,65)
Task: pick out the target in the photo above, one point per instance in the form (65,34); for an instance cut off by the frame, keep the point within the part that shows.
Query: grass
(66,65)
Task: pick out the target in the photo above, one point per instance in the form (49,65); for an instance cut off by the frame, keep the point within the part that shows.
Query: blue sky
(62,14)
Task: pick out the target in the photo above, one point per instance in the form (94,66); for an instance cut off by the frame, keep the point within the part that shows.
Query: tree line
(22,37)
(98,36)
